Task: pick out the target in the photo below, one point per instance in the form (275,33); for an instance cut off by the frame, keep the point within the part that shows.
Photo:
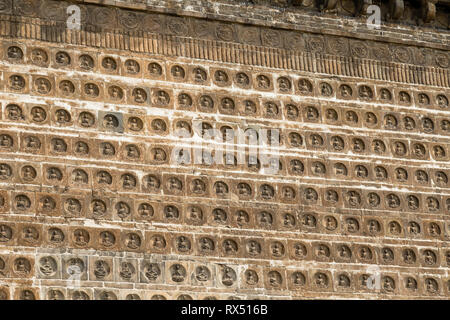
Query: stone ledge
(315,22)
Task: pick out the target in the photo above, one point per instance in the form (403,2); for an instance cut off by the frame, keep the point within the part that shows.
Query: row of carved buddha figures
(213,215)
(354,118)
(203,76)
(224,145)
(32,173)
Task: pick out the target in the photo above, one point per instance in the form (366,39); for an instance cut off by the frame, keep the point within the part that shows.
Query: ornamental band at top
(344,195)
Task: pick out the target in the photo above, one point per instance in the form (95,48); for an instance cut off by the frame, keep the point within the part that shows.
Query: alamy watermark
(374,18)
(253,147)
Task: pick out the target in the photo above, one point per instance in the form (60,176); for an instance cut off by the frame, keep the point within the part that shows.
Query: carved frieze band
(214,41)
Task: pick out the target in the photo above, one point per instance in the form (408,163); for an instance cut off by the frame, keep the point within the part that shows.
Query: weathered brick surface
(89,131)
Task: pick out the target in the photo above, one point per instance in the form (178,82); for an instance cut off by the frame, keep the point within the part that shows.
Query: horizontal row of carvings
(193,293)
(358,63)
(224,282)
(170,184)
(290,220)
(158,181)
(86,293)
(204,76)
(224,247)
(247,156)
(210,102)
(24,204)
(287,13)
(200,274)
(314,193)
(96,15)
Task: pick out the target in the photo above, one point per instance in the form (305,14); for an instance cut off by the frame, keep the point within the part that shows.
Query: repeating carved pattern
(102,154)
(167,36)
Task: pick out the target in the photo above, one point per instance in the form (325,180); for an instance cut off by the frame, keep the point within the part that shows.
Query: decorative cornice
(248,45)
